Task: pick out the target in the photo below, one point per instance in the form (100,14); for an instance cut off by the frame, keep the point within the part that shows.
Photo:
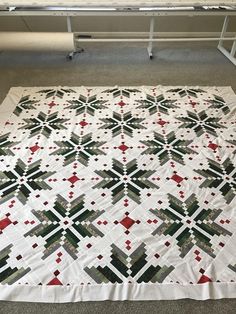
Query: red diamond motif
(56,273)
(123,147)
(34,148)
(4,223)
(73,179)
(177,178)
(52,104)
(213,146)
(193,103)
(204,279)
(121,103)
(127,222)
(198,258)
(55,282)
(161,122)
(83,123)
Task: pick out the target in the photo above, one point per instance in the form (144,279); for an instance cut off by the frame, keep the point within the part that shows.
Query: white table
(151,8)
(116,3)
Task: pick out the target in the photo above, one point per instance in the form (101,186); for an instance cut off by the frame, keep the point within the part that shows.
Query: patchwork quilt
(120,193)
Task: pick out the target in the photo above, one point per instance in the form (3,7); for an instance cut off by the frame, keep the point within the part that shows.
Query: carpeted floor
(188,64)
(126,64)
(160,307)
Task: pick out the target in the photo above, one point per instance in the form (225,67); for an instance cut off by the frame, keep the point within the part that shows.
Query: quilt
(117,193)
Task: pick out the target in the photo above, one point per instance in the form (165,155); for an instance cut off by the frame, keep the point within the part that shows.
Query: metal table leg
(151,35)
(77,50)
(229,55)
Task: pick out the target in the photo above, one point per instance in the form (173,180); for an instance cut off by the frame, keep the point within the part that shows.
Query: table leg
(77,50)
(151,35)
(229,55)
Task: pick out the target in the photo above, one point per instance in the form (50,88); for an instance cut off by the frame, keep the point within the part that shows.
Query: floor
(126,64)
(122,64)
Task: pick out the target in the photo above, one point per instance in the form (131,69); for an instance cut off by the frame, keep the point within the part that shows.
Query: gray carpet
(152,307)
(126,64)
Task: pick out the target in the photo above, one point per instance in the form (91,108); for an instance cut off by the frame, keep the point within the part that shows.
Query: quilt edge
(117,292)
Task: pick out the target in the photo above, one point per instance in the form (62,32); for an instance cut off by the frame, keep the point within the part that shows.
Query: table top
(115,3)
